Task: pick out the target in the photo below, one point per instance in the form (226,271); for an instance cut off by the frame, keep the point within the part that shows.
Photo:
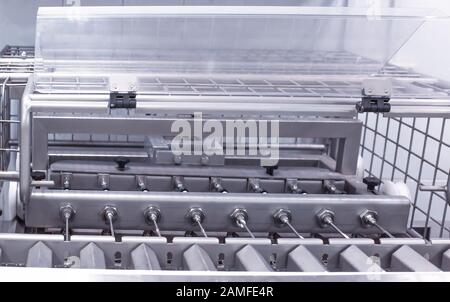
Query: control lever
(326,219)
(283,217)
(67,213)
(240,218)
(153,216)
(197,216)
(110,215)
(370,218)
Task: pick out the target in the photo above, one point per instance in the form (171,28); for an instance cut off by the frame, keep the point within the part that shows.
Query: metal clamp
(122,100)
(376,94)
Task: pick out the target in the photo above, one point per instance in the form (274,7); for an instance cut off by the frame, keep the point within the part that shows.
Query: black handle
(371,182)
(121,163)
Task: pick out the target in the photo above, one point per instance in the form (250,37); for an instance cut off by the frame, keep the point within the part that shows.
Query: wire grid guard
(415,151)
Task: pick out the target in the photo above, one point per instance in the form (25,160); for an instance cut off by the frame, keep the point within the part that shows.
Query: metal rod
(66,213)
(202,229)
(338,230)
(197,218)
(158,232)
(9,175)
(67,216)
(42,183)
(9,121)
(9,150)
(244,225)
(111,226)
(294,230)
(25,142)
(383,230)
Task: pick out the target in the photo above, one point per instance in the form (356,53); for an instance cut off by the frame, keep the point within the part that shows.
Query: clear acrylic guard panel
(208,41)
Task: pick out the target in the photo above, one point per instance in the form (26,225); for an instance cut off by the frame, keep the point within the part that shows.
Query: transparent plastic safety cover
(211,40)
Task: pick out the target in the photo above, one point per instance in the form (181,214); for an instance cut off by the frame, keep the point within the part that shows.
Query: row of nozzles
(239,217)
(254,185)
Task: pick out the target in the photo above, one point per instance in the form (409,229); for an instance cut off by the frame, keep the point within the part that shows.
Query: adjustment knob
(121,163)
(38,175)
(371,182)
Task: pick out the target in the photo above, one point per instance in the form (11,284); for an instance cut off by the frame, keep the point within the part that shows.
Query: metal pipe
(25,142)
(9,175)
(331,223)
(9,121)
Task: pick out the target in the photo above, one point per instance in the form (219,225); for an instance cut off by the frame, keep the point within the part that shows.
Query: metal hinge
(122,100)
(376,94)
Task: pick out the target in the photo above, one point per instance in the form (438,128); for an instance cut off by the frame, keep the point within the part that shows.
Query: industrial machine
(215,143)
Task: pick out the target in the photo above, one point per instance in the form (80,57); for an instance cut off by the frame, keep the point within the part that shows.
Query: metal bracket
(445,188)
(376,94)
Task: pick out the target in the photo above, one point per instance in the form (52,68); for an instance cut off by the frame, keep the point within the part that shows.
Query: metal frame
(386,132)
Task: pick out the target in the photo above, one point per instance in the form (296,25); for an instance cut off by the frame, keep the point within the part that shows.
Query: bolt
(239,217)
(196,215)
(282,217)
(325,217)
(67,212)
(368,218)
(109,213)
(152,214)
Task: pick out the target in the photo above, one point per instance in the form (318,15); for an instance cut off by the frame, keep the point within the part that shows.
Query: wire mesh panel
(415,151)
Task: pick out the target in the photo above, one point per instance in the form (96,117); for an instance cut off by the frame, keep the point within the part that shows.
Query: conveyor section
(302,260)
(92,257)
(446,261)
(196,259)
(40,256)
(249,259)
(405,259)
(355,260)
(143,257)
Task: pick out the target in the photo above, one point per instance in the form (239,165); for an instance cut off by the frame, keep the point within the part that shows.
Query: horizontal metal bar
(43,210)
(9,175)
(9,121)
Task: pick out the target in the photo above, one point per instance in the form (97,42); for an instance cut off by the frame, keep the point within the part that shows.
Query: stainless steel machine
(94,189)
